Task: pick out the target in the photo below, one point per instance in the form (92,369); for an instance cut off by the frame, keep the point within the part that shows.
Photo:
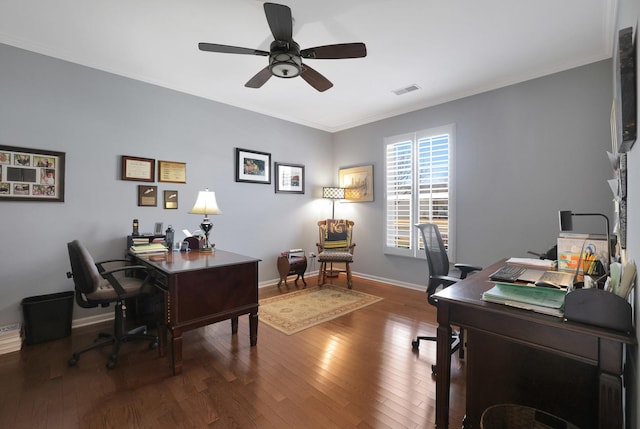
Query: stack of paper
(149,248)
(538,299)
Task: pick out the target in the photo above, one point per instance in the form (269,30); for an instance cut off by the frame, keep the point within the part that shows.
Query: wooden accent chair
(335,246)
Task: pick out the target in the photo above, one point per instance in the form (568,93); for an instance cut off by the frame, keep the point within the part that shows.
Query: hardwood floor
(357,371)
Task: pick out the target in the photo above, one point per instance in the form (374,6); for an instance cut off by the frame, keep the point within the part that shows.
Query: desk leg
(610,412)
(443,366)
(176,352)
(234,325)
(253,329)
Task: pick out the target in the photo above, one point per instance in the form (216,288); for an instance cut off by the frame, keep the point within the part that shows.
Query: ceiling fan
(285,56)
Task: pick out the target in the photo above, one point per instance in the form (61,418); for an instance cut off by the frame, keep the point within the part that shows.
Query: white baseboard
(420,287)
(11,339)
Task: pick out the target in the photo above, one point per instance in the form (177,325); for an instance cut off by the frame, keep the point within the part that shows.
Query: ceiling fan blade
(315,79)
(280,22)
(259,79)
(214,47)
(342,50)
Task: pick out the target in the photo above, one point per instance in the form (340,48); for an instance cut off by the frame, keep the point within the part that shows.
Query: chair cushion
(335,256)
(106,292)
(336,234)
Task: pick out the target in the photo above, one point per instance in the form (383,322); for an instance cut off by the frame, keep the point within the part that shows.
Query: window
(418,189)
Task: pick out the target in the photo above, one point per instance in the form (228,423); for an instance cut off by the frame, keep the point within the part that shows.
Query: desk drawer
(527,331)
(212,294)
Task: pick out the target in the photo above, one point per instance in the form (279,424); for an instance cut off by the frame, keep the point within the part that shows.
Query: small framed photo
(289,178)
(147,196)
(253,166)
(358,183)
(138,169)
(157,228)
(170,199)
(172,172)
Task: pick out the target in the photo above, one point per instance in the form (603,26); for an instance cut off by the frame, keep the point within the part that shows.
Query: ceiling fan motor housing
(284,59)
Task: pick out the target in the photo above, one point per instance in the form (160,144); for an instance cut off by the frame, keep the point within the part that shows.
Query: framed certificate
(139,169)
(172,172)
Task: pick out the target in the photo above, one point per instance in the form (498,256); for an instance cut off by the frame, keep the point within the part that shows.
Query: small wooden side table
(290,266)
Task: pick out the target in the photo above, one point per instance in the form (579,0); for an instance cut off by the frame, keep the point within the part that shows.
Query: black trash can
(47,317)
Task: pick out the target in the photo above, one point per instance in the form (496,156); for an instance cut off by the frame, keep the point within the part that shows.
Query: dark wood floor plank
(357,371)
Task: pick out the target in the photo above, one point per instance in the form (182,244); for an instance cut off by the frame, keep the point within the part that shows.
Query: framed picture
(31,174)
(252,166)
(358,183)
(170,199)
(172,172)
(139,169)
(147,196)
(289,178)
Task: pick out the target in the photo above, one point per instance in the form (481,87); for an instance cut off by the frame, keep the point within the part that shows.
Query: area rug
(302,309)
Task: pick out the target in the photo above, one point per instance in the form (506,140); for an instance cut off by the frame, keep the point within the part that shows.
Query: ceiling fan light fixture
(285,65)
(284,59)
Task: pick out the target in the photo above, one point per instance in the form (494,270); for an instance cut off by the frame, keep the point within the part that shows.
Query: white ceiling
(449,48)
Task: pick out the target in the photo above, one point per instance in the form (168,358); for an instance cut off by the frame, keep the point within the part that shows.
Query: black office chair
(96,286)
(439,278)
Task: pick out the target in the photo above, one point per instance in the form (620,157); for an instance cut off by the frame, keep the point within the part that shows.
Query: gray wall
(522,153)
(95,118)
(542,142)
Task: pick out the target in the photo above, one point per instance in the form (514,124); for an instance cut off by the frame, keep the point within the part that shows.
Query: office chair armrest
(465,269)
(445,280)
(108,275)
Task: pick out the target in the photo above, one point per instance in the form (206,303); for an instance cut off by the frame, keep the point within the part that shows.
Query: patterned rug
(302,309)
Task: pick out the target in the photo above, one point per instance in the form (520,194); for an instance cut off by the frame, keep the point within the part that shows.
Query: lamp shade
(206,204)
(333,193)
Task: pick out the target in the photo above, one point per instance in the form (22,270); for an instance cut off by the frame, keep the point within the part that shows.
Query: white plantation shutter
(418,188)
(399,180)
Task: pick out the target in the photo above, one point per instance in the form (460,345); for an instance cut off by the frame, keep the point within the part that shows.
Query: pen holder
(598,307)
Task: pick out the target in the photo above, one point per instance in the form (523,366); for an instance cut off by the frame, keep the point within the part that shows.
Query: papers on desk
(539,299)
(544,263)
(149,248)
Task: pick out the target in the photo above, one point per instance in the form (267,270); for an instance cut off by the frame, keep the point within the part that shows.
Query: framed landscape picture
(357,183)
(253,166)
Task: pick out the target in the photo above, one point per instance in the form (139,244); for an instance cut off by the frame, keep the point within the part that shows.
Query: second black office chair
(439,278)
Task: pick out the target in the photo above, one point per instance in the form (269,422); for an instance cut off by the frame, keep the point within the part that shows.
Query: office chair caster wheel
(415,345)
(434,370)
(74,359)
(111,363)
(153,345)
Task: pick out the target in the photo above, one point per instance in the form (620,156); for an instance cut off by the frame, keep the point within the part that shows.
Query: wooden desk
(203,288)
(568,369)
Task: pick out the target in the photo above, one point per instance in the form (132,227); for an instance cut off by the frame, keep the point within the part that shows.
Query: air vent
(404,90)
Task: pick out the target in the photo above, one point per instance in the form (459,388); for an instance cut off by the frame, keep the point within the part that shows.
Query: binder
(539,299)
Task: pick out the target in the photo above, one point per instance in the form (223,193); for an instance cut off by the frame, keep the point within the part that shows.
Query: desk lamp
(333,194)
(566,224)
(206,205)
